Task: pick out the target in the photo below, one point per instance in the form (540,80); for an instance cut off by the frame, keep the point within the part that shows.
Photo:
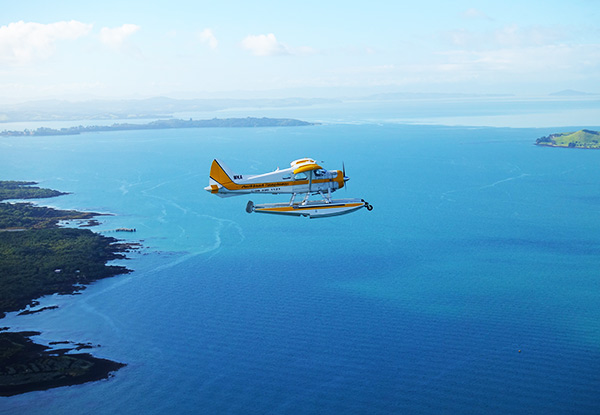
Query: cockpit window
(320,172)
(300,176)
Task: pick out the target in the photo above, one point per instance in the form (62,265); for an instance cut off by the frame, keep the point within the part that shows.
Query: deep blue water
(480,245)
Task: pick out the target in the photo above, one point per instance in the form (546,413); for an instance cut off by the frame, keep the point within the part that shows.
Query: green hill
(577,139)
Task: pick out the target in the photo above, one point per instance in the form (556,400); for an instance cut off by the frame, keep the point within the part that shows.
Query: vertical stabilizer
(220,176)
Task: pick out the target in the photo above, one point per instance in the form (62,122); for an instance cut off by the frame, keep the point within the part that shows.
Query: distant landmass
(248,122)
(149,108)
(577,139)
(392,96)
(165,107)
(570,93)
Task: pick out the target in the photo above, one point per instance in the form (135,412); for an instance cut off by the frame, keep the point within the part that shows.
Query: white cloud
(116,36)
(208,37)
(511,36)
(530,62)
(473,13)
(375,69)
(515,36)
(304,51)
(265,45)
(22,42)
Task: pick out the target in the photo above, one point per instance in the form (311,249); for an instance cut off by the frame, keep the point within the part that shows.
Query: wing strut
(310,175)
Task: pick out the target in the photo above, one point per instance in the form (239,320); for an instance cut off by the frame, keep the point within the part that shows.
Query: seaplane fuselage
(304,176)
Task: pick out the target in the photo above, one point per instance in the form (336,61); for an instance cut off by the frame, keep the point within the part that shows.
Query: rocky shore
(43,259)
(26,366)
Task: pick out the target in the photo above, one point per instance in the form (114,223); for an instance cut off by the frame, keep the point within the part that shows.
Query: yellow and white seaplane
(304,176)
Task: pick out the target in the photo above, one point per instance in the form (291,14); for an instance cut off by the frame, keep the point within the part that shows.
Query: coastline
(567,146)
(248,122)
(34,367)
(43,259)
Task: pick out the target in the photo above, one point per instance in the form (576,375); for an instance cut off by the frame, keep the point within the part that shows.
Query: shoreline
(567,146)
(35,367)
(42,259)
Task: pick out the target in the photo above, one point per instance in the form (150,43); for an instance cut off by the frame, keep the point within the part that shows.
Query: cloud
(303,51)
(22,42)
(515,36)
(265,45)
(476,14)
(533,63)
(374,69)
(207,36)
(511,36)
(511,54)
(115,37)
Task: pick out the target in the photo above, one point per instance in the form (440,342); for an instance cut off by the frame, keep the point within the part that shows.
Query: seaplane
(303,177)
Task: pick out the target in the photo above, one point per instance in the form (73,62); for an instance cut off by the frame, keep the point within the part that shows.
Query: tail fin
(221,175)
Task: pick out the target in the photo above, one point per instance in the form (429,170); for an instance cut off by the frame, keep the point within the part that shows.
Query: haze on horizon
(185,49)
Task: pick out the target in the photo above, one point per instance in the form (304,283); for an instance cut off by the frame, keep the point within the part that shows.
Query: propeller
(344,175)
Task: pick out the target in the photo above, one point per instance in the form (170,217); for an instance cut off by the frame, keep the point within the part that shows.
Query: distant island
(578,139)
(39,258)
(146,108)
(249,122)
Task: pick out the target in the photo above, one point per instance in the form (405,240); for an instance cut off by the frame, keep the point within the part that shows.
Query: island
(37,258)
(248,122)
(579,139)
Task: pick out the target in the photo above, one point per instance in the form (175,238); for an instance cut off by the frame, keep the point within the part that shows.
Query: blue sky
(116,49)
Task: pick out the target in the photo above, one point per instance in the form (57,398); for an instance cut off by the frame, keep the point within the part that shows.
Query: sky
(202,49)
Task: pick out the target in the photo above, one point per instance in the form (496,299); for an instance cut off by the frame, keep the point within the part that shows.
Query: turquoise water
(480,245)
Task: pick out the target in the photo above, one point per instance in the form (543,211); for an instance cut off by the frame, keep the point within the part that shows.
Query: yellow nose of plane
(340,179)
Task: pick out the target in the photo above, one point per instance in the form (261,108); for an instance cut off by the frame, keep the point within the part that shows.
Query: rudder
(221,174)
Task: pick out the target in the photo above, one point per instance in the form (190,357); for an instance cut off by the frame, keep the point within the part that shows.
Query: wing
(304,165)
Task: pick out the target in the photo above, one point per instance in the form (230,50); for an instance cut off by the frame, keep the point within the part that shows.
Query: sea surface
(472,287)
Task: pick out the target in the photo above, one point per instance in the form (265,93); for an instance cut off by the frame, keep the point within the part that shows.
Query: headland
(37,258)
(579,139)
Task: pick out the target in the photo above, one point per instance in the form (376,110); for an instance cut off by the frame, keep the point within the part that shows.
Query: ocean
(472,287)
